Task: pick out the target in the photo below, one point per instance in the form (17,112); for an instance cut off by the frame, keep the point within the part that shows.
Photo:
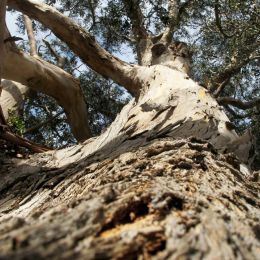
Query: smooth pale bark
(81,42)
(51,80)
(12,97)
(31,37)
(172,105)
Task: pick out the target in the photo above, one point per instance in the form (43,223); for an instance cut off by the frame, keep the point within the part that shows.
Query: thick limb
(82,43)
(51,80)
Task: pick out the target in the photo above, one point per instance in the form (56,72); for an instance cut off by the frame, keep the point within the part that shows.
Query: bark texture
(2,33)
(169,199)
(167,180)
(147,188)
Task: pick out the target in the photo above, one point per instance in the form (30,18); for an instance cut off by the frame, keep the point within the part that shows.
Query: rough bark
(147,188)
(2,35)
(157,184)
(2,58)
(170,199)
(51,80)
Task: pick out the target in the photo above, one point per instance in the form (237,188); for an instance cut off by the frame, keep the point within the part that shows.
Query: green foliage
(16,123)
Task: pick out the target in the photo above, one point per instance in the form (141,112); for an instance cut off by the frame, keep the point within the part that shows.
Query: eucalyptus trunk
(157,184)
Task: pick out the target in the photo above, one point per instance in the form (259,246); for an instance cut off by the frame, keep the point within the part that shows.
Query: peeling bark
(166,200)
(167,179)
(155,185)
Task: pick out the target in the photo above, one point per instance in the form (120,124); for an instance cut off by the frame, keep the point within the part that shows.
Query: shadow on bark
(153,197)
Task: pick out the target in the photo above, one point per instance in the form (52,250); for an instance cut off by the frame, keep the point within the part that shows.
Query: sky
(125,53)
(10,21)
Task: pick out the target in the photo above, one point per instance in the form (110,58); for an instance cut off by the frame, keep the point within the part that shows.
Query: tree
(170,178)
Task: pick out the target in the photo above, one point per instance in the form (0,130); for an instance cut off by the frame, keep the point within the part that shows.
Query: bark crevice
(97,207)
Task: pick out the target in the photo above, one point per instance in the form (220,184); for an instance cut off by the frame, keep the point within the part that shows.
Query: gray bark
(157,184)
(149,187)
(169,199)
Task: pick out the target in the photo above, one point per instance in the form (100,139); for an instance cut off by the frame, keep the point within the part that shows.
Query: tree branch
(36,127)
(2,60)
(5,132)
(238,103)
(142,38)
(173,9)
(51,80)
(136,16)
(222,79)
(2,35)
(31,37)
(60,60)
(82,43)
(234,114)
(15,139)
(175,13)
(92,11)
(218,21)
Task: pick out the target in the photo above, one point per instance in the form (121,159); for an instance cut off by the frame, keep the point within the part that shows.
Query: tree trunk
(155,185)
(160,183)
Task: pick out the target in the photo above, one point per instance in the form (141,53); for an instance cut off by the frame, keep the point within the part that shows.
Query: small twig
(221,88)
(36,127)
(234,114)
(60,60)
(238,103)
(218,21)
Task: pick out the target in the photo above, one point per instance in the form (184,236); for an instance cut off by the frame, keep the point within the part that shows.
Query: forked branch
(221,80)
(51,80)
(175,14)
(60,60)
(81,43)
